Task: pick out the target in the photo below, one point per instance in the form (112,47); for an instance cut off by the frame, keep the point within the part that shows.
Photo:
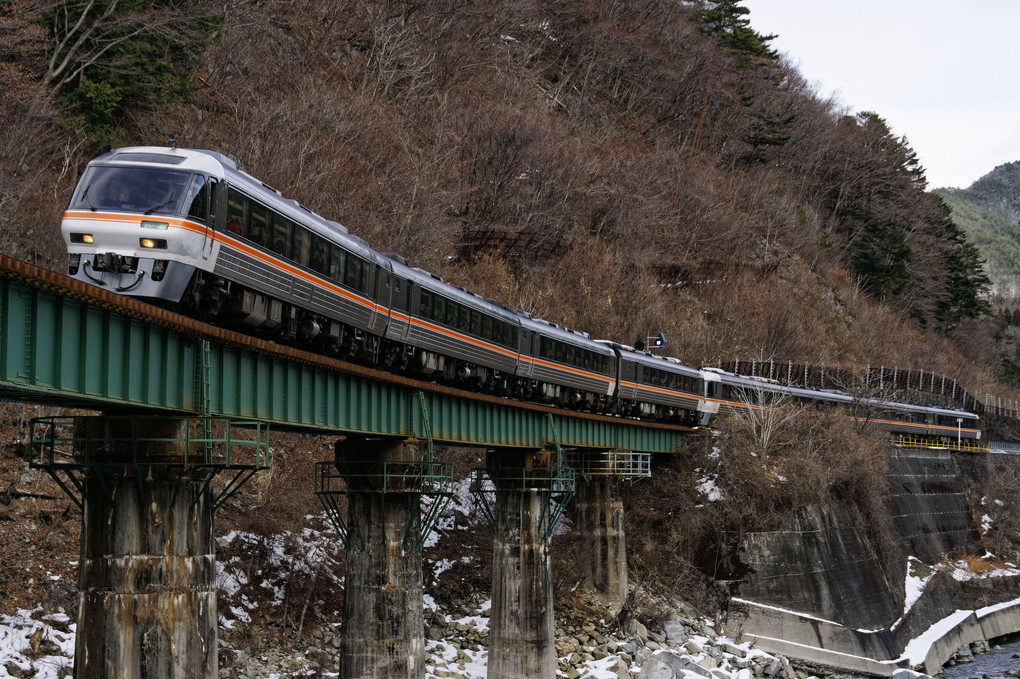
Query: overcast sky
(943,73)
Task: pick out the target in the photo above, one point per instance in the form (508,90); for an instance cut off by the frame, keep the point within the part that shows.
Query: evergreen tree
(728,23)
(967,281)
(753,71)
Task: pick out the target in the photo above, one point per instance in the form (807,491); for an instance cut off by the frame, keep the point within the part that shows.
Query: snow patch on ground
(38,645)
(917,579)
(706,486)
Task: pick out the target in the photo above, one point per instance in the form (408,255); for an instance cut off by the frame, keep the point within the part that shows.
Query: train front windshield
(135,189)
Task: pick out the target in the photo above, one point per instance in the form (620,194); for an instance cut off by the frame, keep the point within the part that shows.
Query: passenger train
(187,230)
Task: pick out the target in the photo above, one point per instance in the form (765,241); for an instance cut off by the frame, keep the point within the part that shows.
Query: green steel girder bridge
(67,344)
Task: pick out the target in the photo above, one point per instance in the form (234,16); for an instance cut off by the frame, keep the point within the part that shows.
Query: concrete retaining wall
(816,590)
(998,621)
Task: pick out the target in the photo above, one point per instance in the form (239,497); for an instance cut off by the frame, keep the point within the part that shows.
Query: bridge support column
(523,511)
(602,545)
(383,632)
(148,563)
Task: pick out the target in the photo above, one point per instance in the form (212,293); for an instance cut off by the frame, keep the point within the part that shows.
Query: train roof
(667,363)
(430,281)
(574,337)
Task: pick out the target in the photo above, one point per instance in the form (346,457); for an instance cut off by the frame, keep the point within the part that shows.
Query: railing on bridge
(924,442)
(928,385)
(67,448)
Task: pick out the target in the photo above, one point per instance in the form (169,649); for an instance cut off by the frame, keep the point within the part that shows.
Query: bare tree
(87,33)
(764,409)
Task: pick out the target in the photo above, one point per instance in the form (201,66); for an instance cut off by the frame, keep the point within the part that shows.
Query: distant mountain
(989,212)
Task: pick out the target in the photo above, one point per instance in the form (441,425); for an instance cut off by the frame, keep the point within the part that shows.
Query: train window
(302,245)
(132,188)
(281,235)
(336,264)
(259,224)
(237,204)
(487,328)
(464,319)
(476,322)
(451,314)
(425,304)
(198,199)
(319,259)
(439,309)
(368,278)
(352,271)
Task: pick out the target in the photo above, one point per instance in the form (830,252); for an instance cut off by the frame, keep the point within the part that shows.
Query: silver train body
(188,230)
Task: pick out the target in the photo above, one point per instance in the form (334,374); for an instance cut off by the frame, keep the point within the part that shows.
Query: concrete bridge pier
(602,545)
(148,565)
(522,511)
(383,633)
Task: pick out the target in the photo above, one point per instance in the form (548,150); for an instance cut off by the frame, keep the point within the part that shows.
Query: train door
(377,289)
(628,376)
(709,404)
(400,303)
(202,200)
(526,368)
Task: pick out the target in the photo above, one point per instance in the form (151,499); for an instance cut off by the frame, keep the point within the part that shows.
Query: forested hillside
(989,212)
(616,167)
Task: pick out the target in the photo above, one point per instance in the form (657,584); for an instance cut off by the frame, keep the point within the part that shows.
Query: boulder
(655,668)
(678,664)
(675,631)
(733,649)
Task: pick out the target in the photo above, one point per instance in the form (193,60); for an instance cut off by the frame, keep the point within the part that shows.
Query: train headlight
(158,243)
(82,238)
(146,224)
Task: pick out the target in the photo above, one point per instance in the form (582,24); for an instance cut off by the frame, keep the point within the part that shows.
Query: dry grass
(981,565)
